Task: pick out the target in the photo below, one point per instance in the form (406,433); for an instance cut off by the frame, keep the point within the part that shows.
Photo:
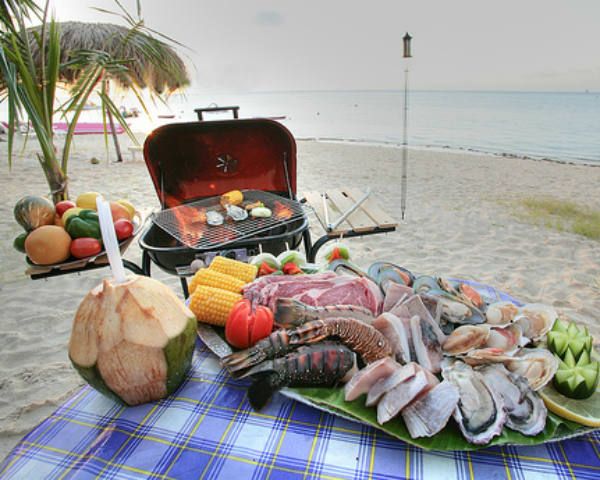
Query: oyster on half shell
(526,410)
(480,411)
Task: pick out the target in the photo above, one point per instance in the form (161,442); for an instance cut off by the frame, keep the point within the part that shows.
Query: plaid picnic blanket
(208,430)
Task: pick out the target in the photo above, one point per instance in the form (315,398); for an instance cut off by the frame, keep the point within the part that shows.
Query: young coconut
(132,341)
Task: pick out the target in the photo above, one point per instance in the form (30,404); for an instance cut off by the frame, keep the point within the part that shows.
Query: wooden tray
(77,264)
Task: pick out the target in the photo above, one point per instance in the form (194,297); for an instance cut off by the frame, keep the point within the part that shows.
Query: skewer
(326,211)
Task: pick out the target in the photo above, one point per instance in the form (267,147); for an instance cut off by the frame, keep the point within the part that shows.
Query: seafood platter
(440,363)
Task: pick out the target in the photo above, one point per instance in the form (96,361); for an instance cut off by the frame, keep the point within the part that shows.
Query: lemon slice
(586,412)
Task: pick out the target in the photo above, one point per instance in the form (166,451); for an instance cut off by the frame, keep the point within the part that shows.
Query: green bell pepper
(84,224)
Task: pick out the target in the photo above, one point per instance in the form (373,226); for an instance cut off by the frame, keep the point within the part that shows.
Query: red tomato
(62,207)
(245,327)
(85,247)
(265,269)
(124,229)
(291,268)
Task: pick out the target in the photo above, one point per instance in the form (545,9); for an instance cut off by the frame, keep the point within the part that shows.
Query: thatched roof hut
(151,63)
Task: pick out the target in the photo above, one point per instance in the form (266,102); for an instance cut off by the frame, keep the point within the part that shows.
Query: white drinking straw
(109,238)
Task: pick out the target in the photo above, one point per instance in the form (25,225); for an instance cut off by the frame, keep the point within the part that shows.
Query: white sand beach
(459,223)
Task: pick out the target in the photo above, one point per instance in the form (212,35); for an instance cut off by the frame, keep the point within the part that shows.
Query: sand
(458,224)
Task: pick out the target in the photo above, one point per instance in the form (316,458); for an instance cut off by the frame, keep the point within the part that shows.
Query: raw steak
(318,290)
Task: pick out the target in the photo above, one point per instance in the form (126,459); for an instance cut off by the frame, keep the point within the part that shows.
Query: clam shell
(487,355)
(501,313)
(537,365)
(466,338)
(507,339)
(536,319)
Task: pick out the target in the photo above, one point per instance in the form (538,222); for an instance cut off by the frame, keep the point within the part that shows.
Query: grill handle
(200,111)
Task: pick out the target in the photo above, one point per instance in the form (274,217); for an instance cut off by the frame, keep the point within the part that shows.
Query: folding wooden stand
(368,219)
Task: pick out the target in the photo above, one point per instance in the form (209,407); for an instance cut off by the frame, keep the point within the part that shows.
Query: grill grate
(184,221)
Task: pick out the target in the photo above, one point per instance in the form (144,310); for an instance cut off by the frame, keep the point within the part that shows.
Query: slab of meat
(318,290)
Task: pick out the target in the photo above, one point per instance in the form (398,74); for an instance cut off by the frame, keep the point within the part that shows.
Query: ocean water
(557,126)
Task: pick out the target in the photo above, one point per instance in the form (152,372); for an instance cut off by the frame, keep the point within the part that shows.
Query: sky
(267,45)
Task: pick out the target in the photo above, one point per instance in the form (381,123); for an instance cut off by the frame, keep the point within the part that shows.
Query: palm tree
(85,58)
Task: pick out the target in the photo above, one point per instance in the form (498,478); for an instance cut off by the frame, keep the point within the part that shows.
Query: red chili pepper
(245,327)
(291,268)
(265,269)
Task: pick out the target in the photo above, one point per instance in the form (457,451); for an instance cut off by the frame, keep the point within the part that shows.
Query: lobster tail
(289,312)
(310,332)
(272,346)
(262,389)
(237,362)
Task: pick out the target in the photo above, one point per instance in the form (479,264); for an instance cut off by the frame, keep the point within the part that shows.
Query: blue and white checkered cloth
(208,430)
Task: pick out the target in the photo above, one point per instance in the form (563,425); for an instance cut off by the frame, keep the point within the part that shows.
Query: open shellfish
(536,319)
(480,411)
(501,313)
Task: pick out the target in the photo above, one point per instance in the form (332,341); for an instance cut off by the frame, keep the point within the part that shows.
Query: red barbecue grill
(192,164)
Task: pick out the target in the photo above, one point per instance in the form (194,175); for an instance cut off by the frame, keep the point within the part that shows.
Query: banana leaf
(450,438)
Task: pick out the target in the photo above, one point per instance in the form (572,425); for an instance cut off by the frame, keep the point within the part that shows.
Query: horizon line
(389,90)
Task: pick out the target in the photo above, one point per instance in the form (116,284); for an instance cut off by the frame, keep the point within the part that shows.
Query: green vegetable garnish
(568,336)
(577,379)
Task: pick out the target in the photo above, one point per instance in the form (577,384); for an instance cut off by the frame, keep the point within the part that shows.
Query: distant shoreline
(448,148)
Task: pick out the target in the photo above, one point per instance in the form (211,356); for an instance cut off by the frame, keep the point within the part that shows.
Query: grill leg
(132,267)
(307,244)
(184,287)
(146,264)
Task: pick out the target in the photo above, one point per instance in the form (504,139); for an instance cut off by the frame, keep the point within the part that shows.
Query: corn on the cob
(212,278)
(212,305)
(241,270)
(235,197)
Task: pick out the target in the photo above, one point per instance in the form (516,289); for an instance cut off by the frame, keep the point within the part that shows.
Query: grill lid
(187,224)
(189,161)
